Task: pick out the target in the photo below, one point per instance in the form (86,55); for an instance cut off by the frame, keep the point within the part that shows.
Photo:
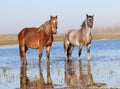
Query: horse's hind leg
(22,54)
(26,48)
(70,51)
(66,44)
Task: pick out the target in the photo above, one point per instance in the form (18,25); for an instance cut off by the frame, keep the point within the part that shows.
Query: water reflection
(78,75)
(25,83)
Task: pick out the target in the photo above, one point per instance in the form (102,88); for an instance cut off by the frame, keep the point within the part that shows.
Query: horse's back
(25,32)
(72,36)
(67,33)
(34,37)
(28,36)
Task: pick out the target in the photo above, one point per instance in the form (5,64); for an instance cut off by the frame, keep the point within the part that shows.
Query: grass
(95,36)
(58,38)
(8,39)
(12,39)
(106,36)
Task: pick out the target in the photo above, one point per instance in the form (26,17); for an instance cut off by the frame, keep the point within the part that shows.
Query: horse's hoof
(48,62)
(88,56)
(26,63)
(78,58)
(23,63)
(38,63)
(70,57)
(67,59)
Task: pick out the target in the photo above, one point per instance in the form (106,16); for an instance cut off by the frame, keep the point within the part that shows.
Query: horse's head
(54,23)
(89,20)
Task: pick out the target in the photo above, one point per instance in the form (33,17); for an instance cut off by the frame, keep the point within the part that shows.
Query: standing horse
(79,37)
(37,38)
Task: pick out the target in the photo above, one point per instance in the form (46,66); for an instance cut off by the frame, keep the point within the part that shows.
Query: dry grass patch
(8,39)
(106,36)
(58,37)
(12,39)
(95,36)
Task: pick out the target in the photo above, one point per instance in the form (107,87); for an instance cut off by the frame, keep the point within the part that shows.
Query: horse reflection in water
(82,78)
(25,83)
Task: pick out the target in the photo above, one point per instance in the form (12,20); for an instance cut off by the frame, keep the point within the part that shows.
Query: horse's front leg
(70,51)
(23,54)
(79,53)
(48,52)
(88,51)
(40,53)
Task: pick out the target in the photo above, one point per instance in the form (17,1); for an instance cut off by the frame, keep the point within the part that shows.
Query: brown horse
(79,37)
(37,38)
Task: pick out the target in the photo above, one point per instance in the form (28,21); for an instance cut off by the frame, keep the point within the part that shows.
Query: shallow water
(102,70)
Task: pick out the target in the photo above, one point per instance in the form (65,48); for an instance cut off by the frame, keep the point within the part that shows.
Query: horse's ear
(86,15)
(56,16)
(51,17)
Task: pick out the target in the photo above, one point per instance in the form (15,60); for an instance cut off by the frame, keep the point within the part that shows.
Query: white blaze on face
(54,23)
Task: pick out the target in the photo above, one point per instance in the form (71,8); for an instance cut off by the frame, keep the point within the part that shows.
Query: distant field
(106,36)
(95,36)
(12,39)
(8,39)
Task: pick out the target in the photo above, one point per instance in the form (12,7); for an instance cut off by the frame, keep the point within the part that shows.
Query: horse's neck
(46,28)
(87,31)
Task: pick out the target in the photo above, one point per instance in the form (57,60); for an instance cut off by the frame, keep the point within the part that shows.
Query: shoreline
(12,39)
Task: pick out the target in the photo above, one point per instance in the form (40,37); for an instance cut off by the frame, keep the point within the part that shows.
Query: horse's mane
(42,27)
(83,24)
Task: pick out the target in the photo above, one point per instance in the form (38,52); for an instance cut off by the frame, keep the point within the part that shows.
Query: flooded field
(102,71)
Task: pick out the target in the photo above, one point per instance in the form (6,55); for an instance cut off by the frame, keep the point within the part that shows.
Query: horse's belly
(33,45)
(75,42)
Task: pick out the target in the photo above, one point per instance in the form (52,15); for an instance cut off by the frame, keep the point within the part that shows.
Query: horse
(80,37)
(37,38)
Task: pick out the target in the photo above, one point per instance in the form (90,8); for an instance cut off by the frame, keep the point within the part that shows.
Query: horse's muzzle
(91,25)
(55,31)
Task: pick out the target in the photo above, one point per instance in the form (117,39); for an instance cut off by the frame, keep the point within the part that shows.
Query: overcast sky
(17,14)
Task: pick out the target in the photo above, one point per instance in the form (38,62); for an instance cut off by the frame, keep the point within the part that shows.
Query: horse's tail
(20,40)
(20,48)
